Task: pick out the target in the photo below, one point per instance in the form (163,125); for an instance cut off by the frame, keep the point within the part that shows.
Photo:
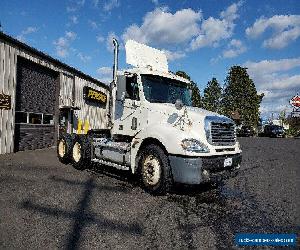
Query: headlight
(193,145)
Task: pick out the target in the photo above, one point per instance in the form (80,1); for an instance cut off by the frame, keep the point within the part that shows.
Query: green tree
(212,96)
(196,97)
(282,117)
(240,96)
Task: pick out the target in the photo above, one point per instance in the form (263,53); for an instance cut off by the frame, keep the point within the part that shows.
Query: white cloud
(275,80)
(84,58)
(161,27)
(75,5)
(111,4)
(174,55)
(93,24)
(282,39)
(234,48)
(27,31)
(62,44)
(74,19)
(105,74)
(285,29)
(271,66)
(213,30)
(230,14)
(109,39)
(154,2)
(71,35)
(100,39)
(185,30)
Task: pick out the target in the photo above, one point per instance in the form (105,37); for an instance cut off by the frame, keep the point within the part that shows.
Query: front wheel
(155,170)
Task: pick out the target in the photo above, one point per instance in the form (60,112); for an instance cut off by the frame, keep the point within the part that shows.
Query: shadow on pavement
(226,212)
(81,217)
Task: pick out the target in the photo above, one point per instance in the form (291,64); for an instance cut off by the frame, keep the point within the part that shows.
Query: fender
(155,131)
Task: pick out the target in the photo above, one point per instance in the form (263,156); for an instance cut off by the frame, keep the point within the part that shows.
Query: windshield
(165,90)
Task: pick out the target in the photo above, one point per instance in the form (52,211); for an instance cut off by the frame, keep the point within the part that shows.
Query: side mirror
(178,104)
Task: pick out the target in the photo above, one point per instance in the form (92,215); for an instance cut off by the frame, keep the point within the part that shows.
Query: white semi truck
(151,128)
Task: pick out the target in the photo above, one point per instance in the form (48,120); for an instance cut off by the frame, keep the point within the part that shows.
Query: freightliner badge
(93,95)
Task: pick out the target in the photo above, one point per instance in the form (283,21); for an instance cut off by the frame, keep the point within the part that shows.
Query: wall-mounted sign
(5,101)
(93,95)
(295,101)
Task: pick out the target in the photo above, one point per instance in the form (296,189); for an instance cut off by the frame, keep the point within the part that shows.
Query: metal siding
(96,116)
(1,90)
(6,87)
(66,89)
(12,84)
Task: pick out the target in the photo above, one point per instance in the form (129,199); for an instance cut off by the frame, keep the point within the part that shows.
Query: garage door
(35,106)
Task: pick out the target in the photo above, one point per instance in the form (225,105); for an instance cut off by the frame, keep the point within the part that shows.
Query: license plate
(227,162)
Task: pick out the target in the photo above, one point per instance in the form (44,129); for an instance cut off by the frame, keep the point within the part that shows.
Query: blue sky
(204,38)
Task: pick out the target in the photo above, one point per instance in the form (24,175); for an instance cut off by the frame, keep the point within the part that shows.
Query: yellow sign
(93,95)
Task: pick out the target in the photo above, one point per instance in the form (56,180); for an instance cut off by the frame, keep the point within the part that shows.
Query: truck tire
(155,170)
(81,153)
(64,148)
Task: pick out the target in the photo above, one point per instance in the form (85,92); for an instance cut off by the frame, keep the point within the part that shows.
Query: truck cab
(155,132)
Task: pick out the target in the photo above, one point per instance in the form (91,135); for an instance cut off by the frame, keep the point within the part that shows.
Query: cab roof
(149,71)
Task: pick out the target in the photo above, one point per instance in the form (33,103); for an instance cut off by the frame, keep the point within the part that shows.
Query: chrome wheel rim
(61,148)
(76,152)
(151,170)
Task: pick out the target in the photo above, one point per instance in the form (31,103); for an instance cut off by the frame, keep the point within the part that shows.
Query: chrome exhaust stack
(116,60)
(113,85)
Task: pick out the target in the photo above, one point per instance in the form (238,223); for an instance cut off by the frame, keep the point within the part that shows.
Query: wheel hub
(61,148)
(76,152)
(151,170)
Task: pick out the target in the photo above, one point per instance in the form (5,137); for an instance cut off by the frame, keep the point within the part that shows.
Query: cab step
(111,164)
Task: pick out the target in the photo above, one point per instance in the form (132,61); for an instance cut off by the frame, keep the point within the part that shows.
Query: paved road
(47,205)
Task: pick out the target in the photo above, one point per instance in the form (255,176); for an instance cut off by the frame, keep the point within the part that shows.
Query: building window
(48,119)
(21,117)
(35,118)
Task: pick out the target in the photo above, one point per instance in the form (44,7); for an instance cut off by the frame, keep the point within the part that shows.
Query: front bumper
(196,170)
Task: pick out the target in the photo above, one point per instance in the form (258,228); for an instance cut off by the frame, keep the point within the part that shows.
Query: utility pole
(272,117)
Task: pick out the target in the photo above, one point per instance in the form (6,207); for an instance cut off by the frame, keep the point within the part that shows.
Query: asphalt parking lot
(47,205)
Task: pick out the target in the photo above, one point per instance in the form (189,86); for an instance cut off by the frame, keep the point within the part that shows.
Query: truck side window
(132,90)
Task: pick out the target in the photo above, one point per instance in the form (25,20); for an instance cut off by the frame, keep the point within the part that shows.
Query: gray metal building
(33,86)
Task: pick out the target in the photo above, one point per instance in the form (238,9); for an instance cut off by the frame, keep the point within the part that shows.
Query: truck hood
(169,110)
(189,120)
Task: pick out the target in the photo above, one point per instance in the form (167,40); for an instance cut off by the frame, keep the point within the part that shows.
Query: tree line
(237,99)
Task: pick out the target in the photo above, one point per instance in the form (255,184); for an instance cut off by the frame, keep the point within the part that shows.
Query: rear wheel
(155,170)
(64,147)
(81,153)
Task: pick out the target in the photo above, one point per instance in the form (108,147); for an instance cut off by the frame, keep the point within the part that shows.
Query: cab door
(128,108)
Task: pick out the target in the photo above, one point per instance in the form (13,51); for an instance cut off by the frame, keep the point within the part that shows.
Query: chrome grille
(220,131)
